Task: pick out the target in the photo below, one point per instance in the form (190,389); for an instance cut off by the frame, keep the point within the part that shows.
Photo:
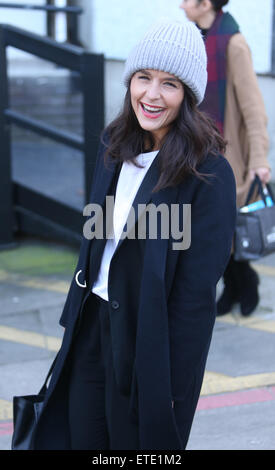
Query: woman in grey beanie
(141,308)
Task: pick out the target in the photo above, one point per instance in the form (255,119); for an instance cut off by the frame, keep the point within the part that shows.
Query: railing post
(93,109)
(6,206)
(72,25)
(50,20)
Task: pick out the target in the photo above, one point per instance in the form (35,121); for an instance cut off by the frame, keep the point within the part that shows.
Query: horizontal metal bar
(51,210)
(39,127)
(35,224)
(68,56)
(46,8)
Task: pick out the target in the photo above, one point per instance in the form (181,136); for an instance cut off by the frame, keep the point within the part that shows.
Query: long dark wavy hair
(192,136)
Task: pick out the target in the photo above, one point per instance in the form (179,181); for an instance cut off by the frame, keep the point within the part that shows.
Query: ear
(207,5)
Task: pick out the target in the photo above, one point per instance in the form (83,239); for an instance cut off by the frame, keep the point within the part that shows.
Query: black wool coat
(171,296)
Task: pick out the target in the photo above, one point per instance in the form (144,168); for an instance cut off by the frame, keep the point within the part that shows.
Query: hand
(264,174)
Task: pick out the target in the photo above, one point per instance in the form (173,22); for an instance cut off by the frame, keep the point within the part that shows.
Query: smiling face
(156,98)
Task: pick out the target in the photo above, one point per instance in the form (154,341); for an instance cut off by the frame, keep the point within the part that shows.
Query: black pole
(6,206)
(50,20)
(72,30)
(72,25)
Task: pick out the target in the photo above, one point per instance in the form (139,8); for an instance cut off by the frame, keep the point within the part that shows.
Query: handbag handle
(44,386)
(271,194)
(257,182)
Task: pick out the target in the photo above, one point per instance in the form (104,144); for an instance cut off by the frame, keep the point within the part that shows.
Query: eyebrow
(171,79)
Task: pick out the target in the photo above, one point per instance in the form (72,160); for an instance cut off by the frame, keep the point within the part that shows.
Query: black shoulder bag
(26,411)
(255,230)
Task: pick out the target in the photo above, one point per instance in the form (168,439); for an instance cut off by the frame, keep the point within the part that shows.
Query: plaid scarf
(216,41)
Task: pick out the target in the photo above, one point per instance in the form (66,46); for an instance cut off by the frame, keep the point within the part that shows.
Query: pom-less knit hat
(174,47)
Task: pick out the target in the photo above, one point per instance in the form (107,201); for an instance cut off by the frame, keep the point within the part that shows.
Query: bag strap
(44,386)
(271,194)
(256,182)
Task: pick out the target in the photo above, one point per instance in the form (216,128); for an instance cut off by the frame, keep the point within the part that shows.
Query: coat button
(115,304)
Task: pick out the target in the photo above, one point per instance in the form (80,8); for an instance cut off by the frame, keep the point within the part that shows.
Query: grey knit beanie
(174,47)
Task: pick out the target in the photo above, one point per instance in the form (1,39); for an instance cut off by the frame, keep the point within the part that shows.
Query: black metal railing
(20,207)
(51,10)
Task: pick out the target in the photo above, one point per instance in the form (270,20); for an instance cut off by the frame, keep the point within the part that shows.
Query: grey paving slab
(44,320)
(24,377)
(5,442)
(267,260)
(237,350)
(245,427)
(11,352)
(17,298)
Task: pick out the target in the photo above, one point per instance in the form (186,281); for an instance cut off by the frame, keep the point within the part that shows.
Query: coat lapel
(103,184)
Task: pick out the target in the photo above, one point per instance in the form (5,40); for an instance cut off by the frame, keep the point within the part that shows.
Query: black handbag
(26,411)
(255,231)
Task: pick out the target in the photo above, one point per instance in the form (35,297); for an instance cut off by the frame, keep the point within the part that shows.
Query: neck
(206,21)
(158,139)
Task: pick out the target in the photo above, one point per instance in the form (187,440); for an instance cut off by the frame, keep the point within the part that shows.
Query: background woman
(234,101)
(140,317)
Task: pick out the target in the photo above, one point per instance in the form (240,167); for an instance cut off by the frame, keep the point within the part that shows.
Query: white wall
(255,20)
(118,24)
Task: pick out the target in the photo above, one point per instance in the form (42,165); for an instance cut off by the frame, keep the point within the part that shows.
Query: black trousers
(98,413)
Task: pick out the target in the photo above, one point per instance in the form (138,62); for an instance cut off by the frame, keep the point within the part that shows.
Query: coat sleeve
(64,315)
(192,300)
(250,100)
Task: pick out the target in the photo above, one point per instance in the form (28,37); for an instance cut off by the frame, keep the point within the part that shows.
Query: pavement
(236,410)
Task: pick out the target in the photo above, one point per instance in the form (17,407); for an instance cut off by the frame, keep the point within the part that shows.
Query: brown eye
(170,84)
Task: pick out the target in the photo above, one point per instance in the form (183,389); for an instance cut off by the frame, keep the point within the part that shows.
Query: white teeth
(152,109)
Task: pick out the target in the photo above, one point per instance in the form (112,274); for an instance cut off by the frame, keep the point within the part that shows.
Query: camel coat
(245,127)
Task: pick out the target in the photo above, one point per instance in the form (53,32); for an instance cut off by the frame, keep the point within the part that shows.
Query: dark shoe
(230,294)
(226,301)
(249,296)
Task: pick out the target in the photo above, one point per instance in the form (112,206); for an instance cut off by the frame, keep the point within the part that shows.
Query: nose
(182,5)
(153,91)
